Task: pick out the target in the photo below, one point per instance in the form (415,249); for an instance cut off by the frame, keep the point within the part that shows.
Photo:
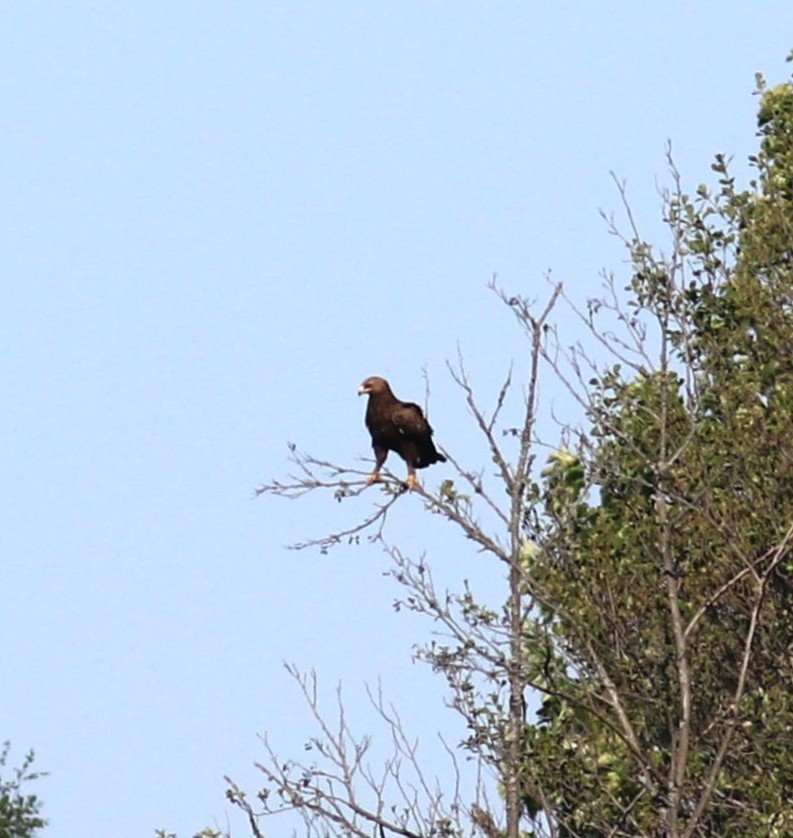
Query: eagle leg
(380,455)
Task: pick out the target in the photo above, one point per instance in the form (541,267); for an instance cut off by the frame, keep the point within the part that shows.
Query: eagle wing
(410,422)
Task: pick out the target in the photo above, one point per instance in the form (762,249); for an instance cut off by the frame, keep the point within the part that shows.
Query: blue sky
(218,218)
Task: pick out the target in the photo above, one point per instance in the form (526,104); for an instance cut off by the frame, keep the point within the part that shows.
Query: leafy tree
(637,678)
(19,812)
(667,572)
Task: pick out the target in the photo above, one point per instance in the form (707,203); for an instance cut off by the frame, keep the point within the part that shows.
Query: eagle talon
(411,482)
(373,477)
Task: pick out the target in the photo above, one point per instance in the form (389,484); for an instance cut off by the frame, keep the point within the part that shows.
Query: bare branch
(348,535)
(332,790)
(460,377)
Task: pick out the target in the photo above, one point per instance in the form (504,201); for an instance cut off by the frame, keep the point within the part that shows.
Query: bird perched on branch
(397,426)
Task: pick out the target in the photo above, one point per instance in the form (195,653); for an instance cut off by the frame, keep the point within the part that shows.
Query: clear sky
(217,219)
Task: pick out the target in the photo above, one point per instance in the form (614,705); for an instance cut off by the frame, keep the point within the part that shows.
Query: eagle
(397,426)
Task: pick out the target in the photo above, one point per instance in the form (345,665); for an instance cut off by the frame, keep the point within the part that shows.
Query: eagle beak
(362,390)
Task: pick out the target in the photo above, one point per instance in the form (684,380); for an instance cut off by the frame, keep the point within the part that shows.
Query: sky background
(217,219)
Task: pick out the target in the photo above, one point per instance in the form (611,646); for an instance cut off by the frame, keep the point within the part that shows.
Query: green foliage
(19,811)
(667,577)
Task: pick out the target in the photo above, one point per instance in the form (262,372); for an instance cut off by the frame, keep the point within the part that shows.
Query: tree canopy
(666,572)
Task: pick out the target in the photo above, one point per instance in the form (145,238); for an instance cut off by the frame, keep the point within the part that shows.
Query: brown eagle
(397,426)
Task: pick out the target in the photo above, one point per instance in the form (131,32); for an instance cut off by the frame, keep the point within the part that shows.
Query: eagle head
(373,384)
